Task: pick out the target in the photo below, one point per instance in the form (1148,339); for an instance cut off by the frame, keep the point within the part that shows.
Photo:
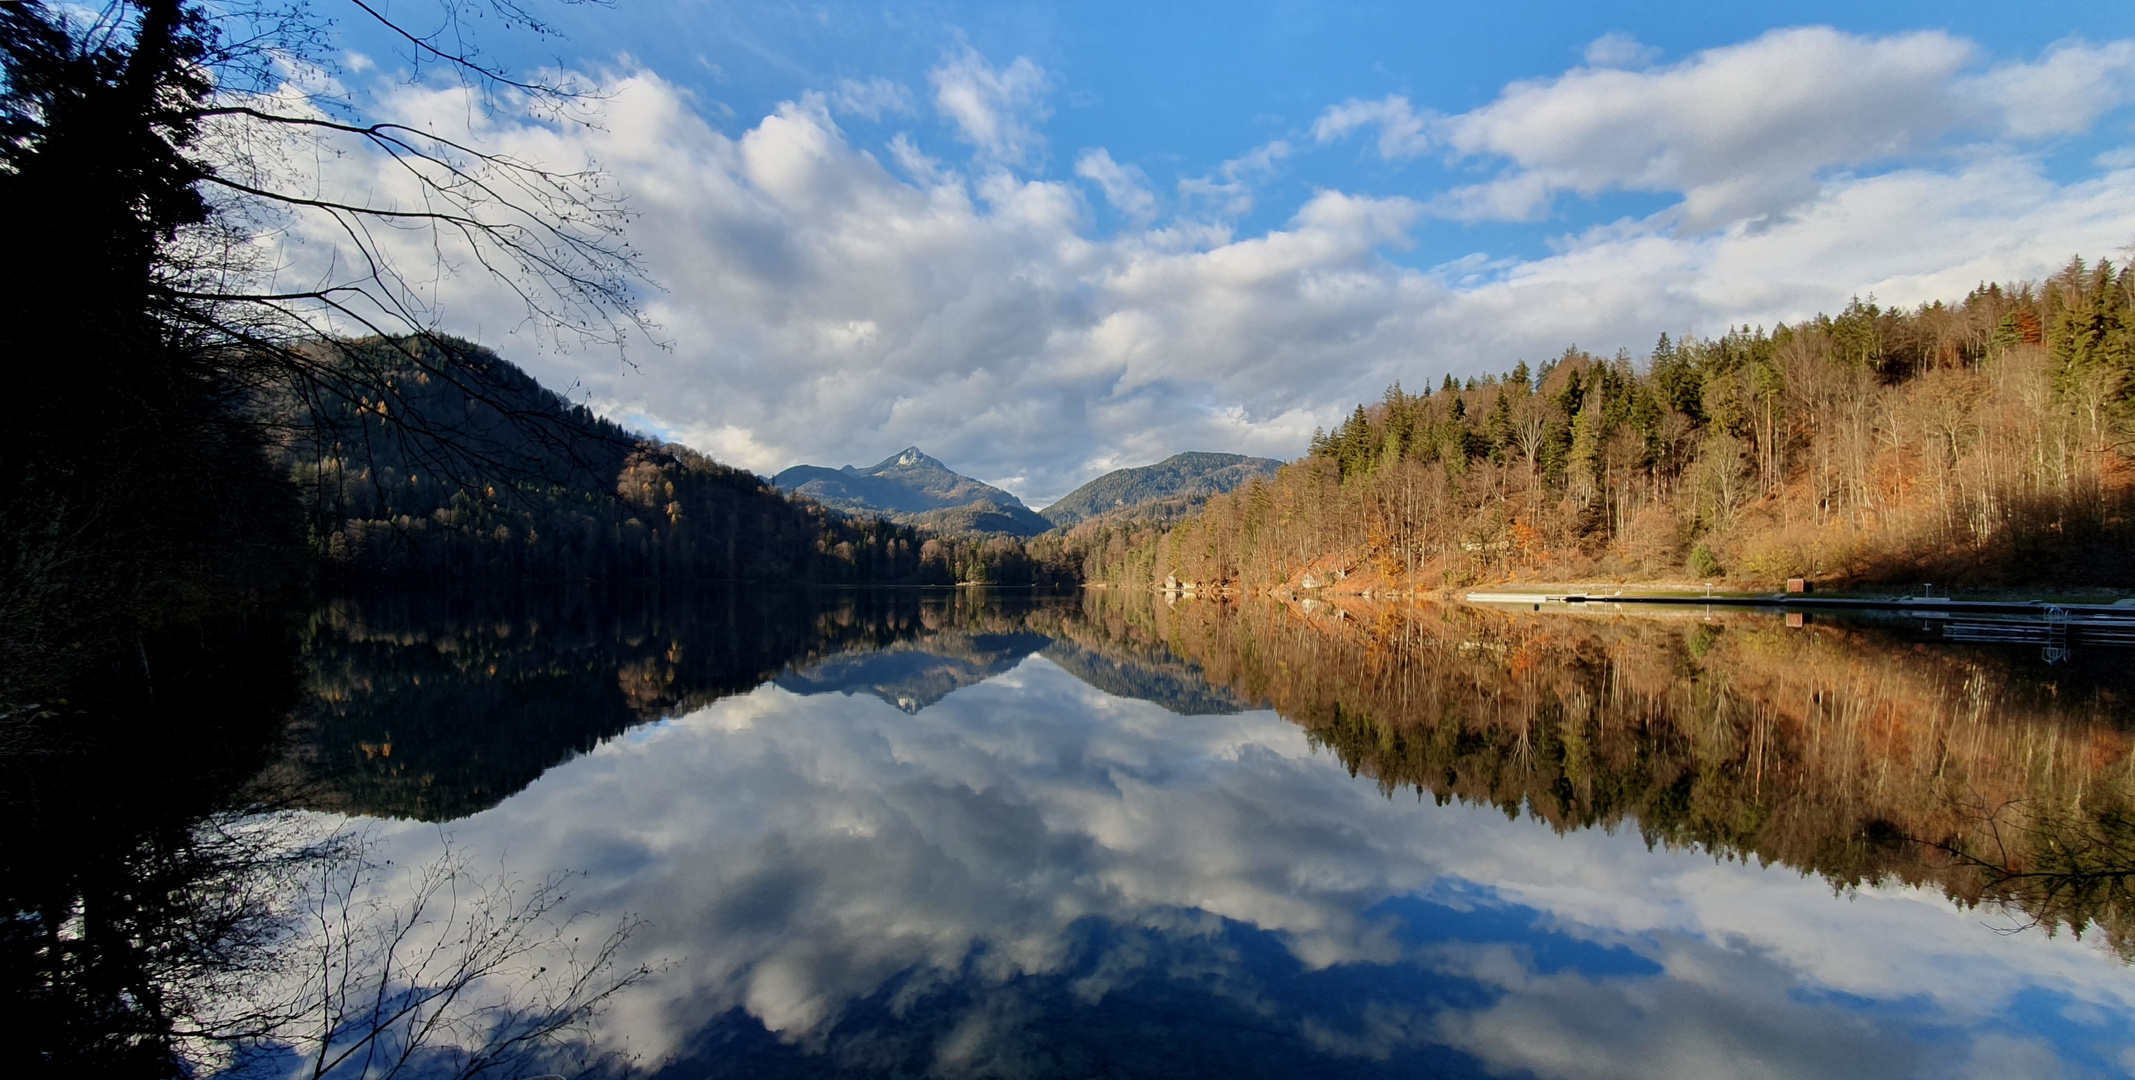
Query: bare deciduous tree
(436,970)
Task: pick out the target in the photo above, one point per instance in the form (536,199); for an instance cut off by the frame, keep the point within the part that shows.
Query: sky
(1043,241)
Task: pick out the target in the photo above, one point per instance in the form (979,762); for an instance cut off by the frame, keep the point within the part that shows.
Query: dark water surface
(905,834)
(899,833)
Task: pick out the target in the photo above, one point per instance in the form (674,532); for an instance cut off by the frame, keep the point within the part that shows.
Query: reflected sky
(1019,874)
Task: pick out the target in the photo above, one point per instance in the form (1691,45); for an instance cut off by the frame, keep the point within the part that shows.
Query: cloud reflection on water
(947,889)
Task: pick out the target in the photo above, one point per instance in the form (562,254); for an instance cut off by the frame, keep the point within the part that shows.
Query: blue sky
(1042,241)
(1178,89)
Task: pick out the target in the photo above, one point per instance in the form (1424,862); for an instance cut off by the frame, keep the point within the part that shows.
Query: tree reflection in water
(1852,751)
(172,898)
(136,897)
(433,971)
(435,707)
(170,913)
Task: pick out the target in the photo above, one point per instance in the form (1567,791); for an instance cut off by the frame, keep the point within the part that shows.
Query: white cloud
(1126,187)
(1519,197)
(872,99)
(2062,93)
(1757,129)
(1228,191)
(1909,237)
(997,110)
(1618,49)
(1741,131)
(1402,130)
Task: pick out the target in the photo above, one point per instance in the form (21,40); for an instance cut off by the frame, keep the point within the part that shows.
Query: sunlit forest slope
(1983,441)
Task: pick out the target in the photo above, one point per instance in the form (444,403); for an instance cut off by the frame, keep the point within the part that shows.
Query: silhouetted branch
(436,970)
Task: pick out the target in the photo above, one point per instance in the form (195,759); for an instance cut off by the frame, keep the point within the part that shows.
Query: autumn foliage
(1849,751)
(1982,441)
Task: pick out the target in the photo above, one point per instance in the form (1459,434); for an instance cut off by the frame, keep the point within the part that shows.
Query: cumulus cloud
(823,306)
(1618,49)
(2061,93)
(1908,236)
(997,110)
(1740,132)
(1754,130)
(1228,191)
(1126,187)
(872,99)
(1402,130)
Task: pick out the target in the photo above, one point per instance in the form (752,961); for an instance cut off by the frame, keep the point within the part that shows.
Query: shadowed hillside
(438,458)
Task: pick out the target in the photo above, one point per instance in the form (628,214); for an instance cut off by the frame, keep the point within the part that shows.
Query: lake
(904,833)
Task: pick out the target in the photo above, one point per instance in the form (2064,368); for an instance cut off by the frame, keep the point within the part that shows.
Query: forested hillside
(1984,441)
(435,457)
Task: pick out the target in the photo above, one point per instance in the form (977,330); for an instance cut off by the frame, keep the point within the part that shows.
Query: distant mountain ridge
(1166,491)
(912,488)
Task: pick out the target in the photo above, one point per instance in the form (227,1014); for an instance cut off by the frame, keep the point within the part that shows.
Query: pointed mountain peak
(913,487)
(909,458)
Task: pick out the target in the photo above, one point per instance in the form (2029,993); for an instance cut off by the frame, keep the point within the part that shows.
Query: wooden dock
(2036,622)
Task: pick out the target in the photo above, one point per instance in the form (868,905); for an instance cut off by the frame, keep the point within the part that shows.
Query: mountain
(1153,675)
(437,458)
(911,488)
(1166,491)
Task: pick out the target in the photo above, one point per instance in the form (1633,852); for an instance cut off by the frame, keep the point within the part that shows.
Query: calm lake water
(911,834)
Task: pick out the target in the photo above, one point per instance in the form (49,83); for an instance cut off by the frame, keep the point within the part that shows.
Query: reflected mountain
(916,673)
(437,706)
(1145,675)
